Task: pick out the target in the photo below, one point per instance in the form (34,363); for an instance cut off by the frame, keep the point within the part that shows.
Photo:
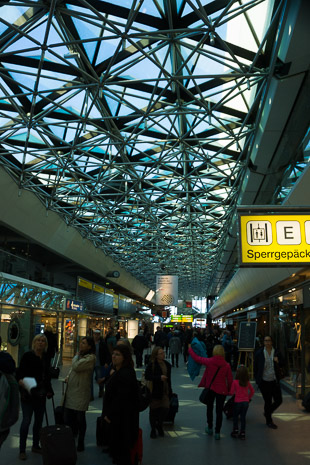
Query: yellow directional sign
(276,239)
(181,318)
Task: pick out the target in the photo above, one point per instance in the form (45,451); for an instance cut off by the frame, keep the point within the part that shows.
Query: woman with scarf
(78,390)
(268,364)
(158,373)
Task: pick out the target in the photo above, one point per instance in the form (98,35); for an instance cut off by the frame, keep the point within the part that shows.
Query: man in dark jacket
(267,365)
(139,343)
(103,360)
(160,338)
(52,346)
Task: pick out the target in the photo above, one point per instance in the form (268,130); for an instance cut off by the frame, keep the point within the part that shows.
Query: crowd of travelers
(110,360)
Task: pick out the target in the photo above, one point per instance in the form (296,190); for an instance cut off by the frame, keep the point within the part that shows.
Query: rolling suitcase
(306,402)
(136,453)
(58,445)
(173,409)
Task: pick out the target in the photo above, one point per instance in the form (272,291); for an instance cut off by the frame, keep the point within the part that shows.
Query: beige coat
(78,390)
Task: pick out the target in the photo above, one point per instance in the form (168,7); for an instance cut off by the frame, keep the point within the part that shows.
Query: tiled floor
(185,442)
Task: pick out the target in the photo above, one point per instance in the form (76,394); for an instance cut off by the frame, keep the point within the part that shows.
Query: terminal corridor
(185,441)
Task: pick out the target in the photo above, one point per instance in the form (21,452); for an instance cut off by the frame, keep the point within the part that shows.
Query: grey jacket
(175,345)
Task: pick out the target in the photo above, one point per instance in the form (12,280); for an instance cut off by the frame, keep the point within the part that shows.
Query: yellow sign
(275,239)
(97,288)
(84,283)
(181,318)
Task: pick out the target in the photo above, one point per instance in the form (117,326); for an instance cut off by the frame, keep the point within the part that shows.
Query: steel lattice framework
(133,121)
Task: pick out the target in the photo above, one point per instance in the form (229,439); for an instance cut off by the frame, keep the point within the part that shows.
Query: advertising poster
(166,290)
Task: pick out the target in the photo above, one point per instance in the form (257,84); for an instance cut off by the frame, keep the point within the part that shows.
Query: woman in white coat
(78,391)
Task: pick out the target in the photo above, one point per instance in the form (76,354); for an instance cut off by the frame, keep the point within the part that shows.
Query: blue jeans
(100,372)
(36,406)
(240,408)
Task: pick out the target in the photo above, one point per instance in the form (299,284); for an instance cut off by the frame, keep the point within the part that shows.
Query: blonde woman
(34,364)
(218,374)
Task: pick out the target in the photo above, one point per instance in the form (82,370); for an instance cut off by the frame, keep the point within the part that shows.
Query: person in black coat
(103,360)
(139,343)
(158,374)
(7,365)
(34,364)
(52,344)
(121,406)
(268,364)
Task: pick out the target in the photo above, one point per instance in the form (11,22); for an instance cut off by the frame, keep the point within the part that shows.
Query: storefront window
(287,334)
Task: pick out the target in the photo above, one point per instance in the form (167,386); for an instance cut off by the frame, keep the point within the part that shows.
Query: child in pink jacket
(243,391)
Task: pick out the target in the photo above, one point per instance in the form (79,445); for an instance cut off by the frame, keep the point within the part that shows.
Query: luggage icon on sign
(259,232)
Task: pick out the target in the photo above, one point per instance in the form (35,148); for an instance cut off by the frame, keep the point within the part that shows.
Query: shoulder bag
(204,396)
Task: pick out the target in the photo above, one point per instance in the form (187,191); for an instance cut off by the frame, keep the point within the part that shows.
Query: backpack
(9,401)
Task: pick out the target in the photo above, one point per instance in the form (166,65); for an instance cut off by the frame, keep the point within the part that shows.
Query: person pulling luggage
(158,374)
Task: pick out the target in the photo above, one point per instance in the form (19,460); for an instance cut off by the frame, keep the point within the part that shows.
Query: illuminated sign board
(73,305)
(274,239)
(181,318)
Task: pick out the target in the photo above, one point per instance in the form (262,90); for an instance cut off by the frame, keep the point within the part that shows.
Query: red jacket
(224,377)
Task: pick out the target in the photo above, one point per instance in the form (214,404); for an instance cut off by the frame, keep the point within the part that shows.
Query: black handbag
(228,407)
(145,396)
(204,396)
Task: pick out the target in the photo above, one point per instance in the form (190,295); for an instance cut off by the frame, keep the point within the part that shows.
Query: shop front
(290,328)
(26,309)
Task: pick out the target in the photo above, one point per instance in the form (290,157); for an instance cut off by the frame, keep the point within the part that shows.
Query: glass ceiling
(132,120)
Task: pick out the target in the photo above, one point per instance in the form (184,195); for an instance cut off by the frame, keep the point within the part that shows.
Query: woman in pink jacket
(220,386)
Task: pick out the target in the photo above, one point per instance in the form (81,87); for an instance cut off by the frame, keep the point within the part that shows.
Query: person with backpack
(7,368)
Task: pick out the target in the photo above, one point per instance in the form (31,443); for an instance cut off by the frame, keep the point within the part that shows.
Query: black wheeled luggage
(306,402)
(173,409)
(58,445)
